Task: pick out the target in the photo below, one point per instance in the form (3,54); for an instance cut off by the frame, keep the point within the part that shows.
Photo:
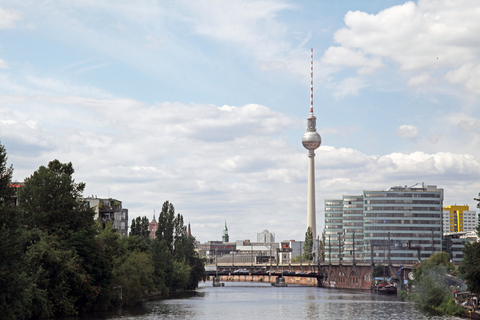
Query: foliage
(58,262)
(470,267)
(431,287)
(437,259)
(57,276)
(451,308)
(174,252)
(139,227)
(308,245)
(321,248)
(15,288)
(51,200)
(133,277)
(379,271)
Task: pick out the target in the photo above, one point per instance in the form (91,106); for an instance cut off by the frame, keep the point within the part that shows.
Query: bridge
(339,275)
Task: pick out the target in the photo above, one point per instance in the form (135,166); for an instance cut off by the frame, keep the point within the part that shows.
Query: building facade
(110,210)
(152,227)
(265,236)
(398,225)
(458,219)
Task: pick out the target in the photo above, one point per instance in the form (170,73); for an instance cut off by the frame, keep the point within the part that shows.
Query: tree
(321,248)
(134,277)
(57,275)
(431,283)
(51,201)
(308,246)
(51,204)
(470,267)
(15,298)
(177,264)
(140,227)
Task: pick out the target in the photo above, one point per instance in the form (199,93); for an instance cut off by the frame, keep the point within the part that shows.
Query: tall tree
(51,203)
(177,265)
(140,227)
(15,285)
(308,246)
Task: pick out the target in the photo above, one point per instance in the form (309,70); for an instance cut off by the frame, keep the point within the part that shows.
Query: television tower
(311,140)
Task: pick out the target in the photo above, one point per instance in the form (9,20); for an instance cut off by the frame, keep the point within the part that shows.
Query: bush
(451,308)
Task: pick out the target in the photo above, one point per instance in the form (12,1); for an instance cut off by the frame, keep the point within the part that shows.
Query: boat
(217,282)
(279,282)
(382,286)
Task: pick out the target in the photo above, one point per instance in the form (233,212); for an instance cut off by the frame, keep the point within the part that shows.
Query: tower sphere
(311,140)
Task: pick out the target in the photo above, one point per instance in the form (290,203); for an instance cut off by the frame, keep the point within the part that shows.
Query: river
(251,300)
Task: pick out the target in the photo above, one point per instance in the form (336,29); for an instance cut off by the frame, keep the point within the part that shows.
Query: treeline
(56,260)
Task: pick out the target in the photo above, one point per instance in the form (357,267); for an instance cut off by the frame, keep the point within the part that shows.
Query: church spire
(225,233)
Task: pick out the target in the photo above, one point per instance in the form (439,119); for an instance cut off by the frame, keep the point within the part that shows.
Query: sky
(204,103)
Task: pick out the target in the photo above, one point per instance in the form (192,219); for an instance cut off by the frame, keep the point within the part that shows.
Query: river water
(251,300)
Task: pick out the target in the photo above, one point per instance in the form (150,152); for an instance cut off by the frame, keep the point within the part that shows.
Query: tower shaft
(311,219)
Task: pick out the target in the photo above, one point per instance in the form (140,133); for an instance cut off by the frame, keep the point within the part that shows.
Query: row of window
(401,195)
(406,208)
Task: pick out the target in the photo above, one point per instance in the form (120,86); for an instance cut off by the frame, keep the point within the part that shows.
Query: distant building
(212,249)
(459,219)
(152,227)
(225,237)
(16,186)
(393,225)
(265,236)
(455,241)
(110,210)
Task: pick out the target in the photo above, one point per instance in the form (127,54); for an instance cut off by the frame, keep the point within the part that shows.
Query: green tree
(133,228)
(15,285)
(57,275)
(308,245)
(431,283)
(140,227)
(51,203)
(470,266)
(174,254)
(134,277)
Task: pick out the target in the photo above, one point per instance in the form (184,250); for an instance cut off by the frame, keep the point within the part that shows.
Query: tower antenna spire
(311,140)
(311,82)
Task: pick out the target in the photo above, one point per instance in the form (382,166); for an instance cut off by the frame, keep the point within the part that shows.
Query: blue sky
(204,103)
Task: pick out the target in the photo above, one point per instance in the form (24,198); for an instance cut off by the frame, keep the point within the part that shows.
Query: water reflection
(249,300)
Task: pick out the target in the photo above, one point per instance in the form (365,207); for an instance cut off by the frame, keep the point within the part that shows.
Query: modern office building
(453,243)
(458,219)
(265,236)
(398,225)
(110,210)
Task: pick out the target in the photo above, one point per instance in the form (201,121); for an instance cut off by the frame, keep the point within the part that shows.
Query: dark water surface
(250,300)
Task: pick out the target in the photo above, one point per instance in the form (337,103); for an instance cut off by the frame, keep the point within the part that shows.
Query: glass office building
(398,225)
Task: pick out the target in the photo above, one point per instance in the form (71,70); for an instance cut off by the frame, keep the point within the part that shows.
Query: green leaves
(308,246)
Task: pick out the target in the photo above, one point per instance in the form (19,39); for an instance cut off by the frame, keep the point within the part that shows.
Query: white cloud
(408,131)
(8,18)
(3,64)
(213,163)
(349,86)
(341,56)
(421,79)
(430,35)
